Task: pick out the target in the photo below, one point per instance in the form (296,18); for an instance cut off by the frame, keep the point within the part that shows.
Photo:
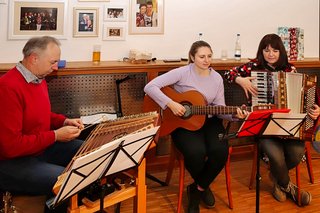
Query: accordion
(286,90)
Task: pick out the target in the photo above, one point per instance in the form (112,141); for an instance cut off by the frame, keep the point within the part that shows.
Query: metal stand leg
(120,114)
(151,177)
(258,177)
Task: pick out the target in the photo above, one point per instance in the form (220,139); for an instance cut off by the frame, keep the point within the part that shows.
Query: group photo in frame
(114,12)
(37,18)
(113,32)
(85,22)
(146,17)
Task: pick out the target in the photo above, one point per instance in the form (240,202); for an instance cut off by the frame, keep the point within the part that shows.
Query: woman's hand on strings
(241,112)
(247,86)
(176,108)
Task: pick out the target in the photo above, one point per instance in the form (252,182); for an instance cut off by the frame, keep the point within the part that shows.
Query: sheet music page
(98,118)
(288,121)
(88,168)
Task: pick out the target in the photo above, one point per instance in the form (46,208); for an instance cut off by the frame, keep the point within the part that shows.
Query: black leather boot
(208,198)
(193,198)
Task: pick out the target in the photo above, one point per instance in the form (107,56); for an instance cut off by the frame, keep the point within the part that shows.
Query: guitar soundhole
(188,112)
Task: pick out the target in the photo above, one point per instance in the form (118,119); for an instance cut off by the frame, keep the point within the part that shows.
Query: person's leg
(294,151)
(28,175)
(216,152)
(273,147)
(217,155)
(284,155)
(37,175)
(61,153)
(279,173)
(191,145)
(205,156)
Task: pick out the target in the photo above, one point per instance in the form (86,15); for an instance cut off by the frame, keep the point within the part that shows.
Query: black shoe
(208,198)
(193,198)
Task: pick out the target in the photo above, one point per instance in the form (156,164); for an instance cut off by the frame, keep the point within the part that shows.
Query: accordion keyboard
(263,82)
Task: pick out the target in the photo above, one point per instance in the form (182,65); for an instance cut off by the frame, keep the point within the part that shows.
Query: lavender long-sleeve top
(184,79)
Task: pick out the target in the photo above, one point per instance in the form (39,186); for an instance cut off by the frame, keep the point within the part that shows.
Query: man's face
(47,61)
(149,9)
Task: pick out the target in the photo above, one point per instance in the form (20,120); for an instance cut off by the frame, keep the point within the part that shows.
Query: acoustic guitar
(196,110)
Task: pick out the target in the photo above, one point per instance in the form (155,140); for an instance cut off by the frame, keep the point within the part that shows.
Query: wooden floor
(164,198)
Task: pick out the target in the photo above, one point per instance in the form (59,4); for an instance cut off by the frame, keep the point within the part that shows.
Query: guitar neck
(214,110)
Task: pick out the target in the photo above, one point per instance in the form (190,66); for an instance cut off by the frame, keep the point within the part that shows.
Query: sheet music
(290,123)
(98,118)
(255,121)
(90,167)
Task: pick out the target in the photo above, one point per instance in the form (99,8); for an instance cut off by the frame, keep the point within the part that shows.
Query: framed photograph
(85,22)
(113,32)
(30,18)
(115,13)
(146,17)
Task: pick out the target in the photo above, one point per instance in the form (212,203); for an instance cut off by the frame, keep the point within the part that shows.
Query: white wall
(218,20)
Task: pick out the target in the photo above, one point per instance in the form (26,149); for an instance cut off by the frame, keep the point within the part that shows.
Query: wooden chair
(175,154)
(308,161)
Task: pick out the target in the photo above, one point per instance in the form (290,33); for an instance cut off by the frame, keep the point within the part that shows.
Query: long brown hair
(276,43)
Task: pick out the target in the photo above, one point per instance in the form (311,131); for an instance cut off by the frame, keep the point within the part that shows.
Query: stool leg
(228,179)
(308,161)
(171,165)
(181,184)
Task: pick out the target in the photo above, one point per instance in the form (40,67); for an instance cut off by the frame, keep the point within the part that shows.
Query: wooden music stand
(116,156)
(267,123)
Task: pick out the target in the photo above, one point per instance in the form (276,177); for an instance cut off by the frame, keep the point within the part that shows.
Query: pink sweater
(26,120)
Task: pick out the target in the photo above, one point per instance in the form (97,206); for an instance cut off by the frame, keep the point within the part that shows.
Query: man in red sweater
(35,143)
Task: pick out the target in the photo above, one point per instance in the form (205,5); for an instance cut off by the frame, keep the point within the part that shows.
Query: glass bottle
(200,36)
(237,50)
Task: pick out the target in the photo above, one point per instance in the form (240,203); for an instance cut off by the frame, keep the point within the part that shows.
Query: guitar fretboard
(213,110)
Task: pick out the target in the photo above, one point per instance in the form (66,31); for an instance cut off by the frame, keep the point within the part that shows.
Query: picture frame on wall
(114,12)
(113,32)
(146,17)
(29,18)
(85,22)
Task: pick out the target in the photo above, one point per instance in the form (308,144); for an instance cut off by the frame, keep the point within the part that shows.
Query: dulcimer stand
(116,156)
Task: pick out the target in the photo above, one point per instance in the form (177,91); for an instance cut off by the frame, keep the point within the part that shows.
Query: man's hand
(67,133)
(74,122)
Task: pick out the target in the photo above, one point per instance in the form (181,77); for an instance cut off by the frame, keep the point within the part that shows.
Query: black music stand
(116,156)
(120,114)
(270,123)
